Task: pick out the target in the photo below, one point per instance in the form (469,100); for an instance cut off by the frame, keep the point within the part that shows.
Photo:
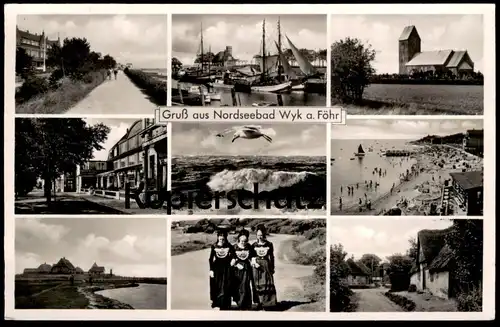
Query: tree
(54,56)
(26,171)
(413,250)
(399,271)
(24,62)
(108,62)
(351,69)
(56,146)
(207,57)
(372,261)
(176,63)
(75,53)
(339,270)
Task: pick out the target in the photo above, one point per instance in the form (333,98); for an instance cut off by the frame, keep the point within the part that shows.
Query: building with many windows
(474,141)
(35,45)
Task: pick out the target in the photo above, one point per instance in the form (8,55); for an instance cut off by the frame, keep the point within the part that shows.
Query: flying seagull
(246,132)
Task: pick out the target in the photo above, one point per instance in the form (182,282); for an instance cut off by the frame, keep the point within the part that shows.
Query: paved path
(374,300)
(114,97)
(190,276)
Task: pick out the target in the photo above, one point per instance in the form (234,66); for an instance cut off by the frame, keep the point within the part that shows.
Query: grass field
(48,295)
(399,99)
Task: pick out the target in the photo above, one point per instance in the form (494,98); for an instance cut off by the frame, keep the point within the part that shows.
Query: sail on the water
(360,149)
(286,66)
(305,66)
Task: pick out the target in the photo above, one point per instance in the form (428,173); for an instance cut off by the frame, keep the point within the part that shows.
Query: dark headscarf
(222,232)
(261,228)
(243,232)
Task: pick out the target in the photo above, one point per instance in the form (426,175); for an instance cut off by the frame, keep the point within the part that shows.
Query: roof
(456,58)
(96,268)
(30,270)
(44,267)
(407,32)
(468,180)
(63,262)
(223,56)
(431,242)
(442,260)
(356,269)
(34,37)
(426,58)
(475,132)
(78,269)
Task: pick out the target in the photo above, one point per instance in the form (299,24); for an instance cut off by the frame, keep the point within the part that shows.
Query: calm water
(145,296)
(289,99)
(346,172)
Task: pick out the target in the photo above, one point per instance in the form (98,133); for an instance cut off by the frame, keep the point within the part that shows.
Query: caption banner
(334,115)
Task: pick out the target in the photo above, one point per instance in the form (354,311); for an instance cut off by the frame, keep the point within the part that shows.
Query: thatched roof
(436,253)
(44,267)
(79,270)
(357,269)
(64,263)
(442,260)
(96,268)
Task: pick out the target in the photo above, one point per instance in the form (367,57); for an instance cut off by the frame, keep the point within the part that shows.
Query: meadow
(414,99)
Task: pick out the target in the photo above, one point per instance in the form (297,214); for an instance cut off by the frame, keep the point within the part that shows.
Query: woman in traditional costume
(243,292)
(263,270)
(221,277)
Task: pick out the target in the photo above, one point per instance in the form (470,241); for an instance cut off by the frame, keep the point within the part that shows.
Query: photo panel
(408,64)
(91,263)
(407,167)
(72,166)
(245,60)
(249,264)
(406,265)
(227,169)
(91,64)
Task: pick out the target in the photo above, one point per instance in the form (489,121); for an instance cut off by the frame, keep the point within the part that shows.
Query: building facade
(474,142)
(467,191)
(86,175)
(412,59)
(35,45)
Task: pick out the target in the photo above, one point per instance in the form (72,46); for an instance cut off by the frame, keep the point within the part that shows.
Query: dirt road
(118,96)
(190,280)
(374,300)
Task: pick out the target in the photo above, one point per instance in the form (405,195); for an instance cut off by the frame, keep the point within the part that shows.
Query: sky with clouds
(244,34)
(129,246)
(401,129)
(437,32)
(118,128)
(137,39)
(287,140)
(383,237)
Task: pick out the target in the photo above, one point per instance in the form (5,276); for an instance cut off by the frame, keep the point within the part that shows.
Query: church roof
(456,59)
(407,32)
(430,58)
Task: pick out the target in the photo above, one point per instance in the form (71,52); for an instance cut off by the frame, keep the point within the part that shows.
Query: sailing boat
(267,67)
(200,76)
(361,152)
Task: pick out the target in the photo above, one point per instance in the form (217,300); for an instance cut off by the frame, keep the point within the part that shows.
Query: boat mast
(263,48)
(202,56)
(279,50)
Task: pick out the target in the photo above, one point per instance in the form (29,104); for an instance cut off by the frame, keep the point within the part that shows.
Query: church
(412,59)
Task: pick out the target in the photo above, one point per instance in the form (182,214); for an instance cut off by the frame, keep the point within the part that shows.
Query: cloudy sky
(402,129)
(383,237)
(129,246)
(288,140)
(118,129)
(437,32)
(137,39)
(244,34)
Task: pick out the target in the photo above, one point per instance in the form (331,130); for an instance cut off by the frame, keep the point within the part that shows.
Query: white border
(487,10)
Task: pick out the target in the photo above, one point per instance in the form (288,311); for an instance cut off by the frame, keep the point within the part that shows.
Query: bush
(471,301)
(32,87)
(399,282)
(155,88)
(412,288)
(405,303)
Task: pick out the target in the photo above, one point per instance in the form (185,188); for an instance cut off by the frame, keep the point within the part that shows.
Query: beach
(412,183)
(278,176)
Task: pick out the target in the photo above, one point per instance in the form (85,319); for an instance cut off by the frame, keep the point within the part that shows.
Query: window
(131,160)
(116,164)
(132,143)
(123,147)
(123,163)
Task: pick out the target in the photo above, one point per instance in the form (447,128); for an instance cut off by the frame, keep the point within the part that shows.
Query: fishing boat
(360,153)
(209,96)
(199,75)
(264,104)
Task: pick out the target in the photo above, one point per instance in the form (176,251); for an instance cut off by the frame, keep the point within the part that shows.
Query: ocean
(281,176)
(145,296)
(247,99)
(346,172)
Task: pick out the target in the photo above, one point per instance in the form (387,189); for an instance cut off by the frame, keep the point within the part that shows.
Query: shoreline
(97,301)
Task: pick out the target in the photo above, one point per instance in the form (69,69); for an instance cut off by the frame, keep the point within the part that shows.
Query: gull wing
(227,131)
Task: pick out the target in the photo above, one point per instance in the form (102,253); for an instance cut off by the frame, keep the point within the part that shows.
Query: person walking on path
(115,72)
(109,73)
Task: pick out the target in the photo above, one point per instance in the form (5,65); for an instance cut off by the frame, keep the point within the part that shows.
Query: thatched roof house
(79,270)
(63,266)
(44,268)
(95,269)
(357,268)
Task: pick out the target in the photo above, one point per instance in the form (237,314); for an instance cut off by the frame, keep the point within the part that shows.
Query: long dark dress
(243,294)
(220,284)
(263,275)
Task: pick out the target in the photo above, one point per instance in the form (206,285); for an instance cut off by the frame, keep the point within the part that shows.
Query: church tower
(409,46)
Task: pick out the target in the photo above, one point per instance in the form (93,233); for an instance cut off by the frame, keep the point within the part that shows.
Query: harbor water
(144,296)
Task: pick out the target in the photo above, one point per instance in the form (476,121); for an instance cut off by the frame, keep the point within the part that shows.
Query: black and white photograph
(90,64)
(249,264)
(226,169)
(89,166)
(406,265)
(407,167)
(249,60)
(408,64)
(91,263)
